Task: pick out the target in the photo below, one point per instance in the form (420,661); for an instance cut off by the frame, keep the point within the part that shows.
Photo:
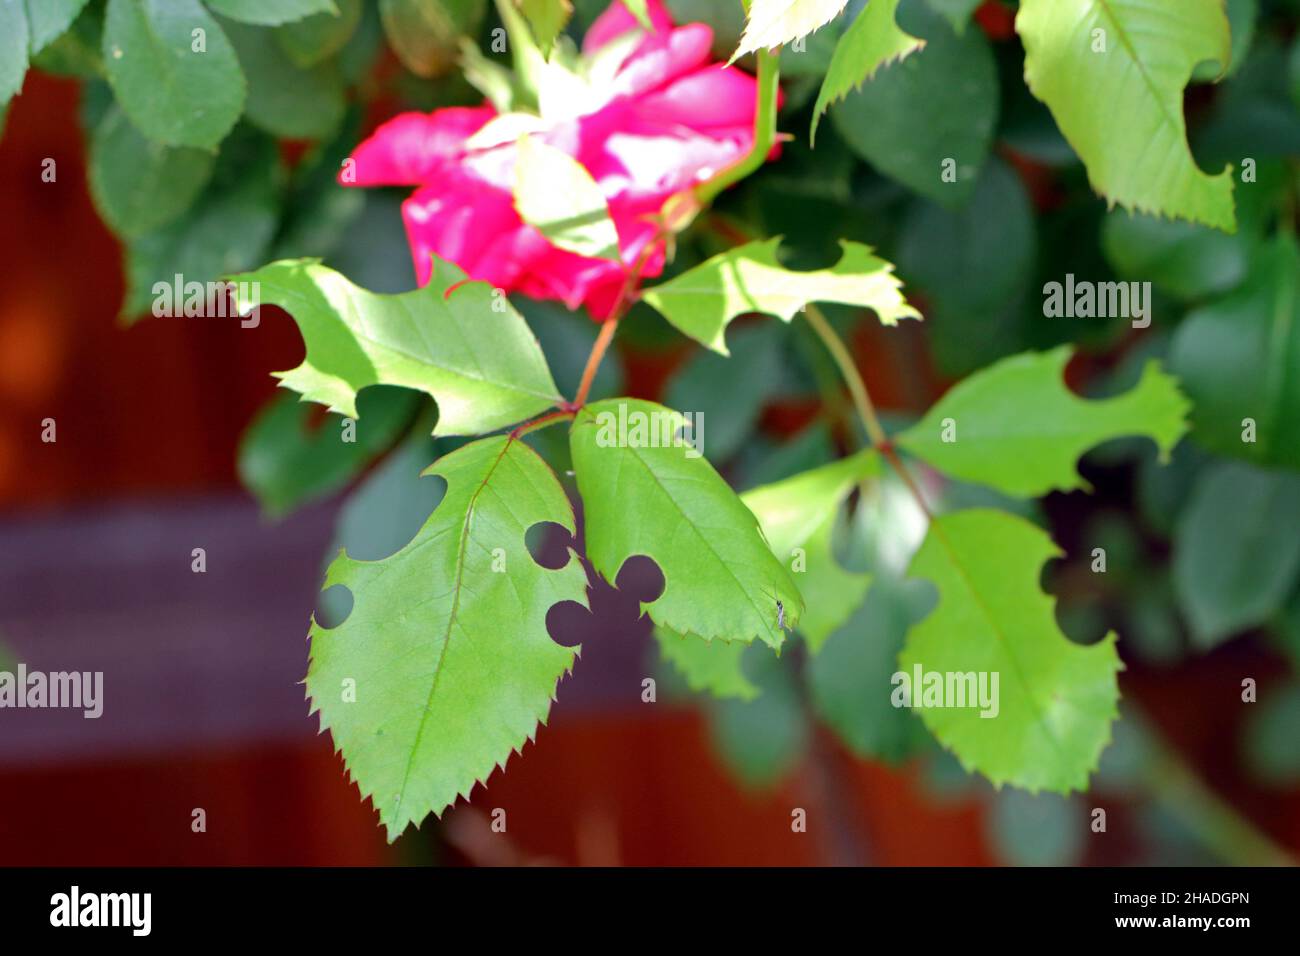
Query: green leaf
(975,266)
(139,185)
(645,494)
(1016,426)
(1040,830)
(47,20)
(1269,744)
(1236,551)
(317,38)
(873,41)
(917,123)
(702,301)
(271,13)
(451,661)
(286,101)
(1238,359)
(558,197)
(230,227)
(1137,155)
(712,667)
(547,19)
(173,93)
(1241,25)
(849,678)
(320,212)
(76,51)
(285,463)
(1056,700)
(776,22)
(452,339)
(761,740)
(798,517)
(956,12)
(425,33)
(1184,259)
(13,48)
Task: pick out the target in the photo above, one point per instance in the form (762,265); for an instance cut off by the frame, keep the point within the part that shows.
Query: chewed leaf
(704,300)
(1113,72)
(452,340)
(775,22)
(445,667)
(999,684)
(646,492)
(1017,427)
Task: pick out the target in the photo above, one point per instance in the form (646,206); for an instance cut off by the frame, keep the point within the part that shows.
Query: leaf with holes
(702,301)
(645,491)
(1113,72)
(1017,427)
(452,339)
(445,667)
(1051,714)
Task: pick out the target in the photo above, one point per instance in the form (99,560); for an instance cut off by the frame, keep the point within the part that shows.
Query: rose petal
(617,20)
(410,148)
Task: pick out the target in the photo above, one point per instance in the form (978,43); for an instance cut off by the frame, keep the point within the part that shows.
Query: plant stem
(593,360)
(541,422)
(769,75)
(849,371)
(1214,822)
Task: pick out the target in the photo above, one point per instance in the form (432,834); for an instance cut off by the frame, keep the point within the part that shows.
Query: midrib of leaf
(1105,7)
(691,524)
(362,333)
(159,44)
(1002,638)
(451,620)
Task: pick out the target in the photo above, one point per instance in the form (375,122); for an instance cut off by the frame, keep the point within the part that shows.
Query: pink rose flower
(667,120)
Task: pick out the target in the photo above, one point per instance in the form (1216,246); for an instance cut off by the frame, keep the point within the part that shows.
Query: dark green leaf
(139,185)
(424,33)
(1238,357)
(271,12)
(173,70)
(286,464)
(1236,550)
(319,37)
(284,100)
(930,114)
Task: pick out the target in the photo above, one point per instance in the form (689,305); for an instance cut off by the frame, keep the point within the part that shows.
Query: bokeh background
(204,707)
